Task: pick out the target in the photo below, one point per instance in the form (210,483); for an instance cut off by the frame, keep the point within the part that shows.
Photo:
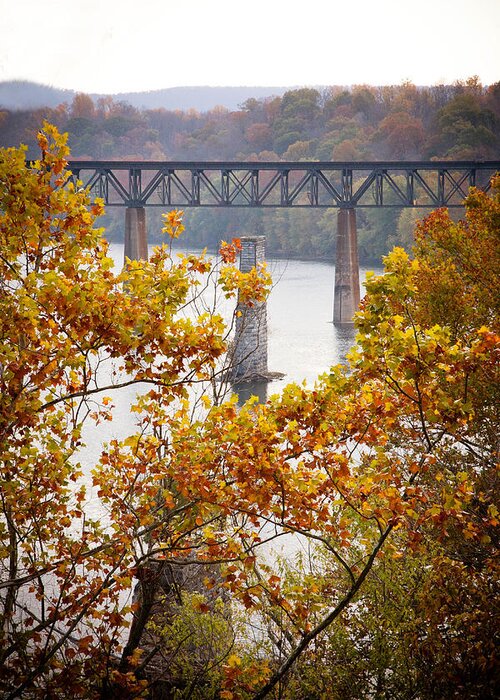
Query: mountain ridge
(25,94)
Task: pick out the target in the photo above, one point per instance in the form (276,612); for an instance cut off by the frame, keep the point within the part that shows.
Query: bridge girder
(429,184)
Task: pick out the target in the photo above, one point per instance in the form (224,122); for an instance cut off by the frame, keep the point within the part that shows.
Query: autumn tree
(400,136)
(464,128)
(73,334)
(424,623)
(392,459)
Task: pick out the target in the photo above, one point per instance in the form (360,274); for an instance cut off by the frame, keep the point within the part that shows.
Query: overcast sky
(109,46)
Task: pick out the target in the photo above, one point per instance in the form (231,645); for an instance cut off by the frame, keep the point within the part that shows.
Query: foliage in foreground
(384,474)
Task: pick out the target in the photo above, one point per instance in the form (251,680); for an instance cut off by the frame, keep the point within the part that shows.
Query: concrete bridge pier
(346,290)
(136,235)
(249,357)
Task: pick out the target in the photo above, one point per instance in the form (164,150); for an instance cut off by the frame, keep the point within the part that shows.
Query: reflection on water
(345,336)
(248,389)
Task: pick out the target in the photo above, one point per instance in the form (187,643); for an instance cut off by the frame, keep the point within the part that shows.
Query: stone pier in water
(249,358)
(251,327)
(346,291)
(136,235)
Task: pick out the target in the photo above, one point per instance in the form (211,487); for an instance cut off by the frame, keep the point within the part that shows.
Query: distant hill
(20,94)
(200,98)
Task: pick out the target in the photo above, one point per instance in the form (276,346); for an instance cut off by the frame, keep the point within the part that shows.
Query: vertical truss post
(195,187)
(313,192)
(254,188)
(410,189)
(347,186)
(284,188)
(135,185)
(346,290)
(166,188)
(225,186)
(440,192)
(379,188)
(100,189)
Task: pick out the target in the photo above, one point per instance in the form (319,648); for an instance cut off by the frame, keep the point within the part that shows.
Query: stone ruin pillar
(249,358)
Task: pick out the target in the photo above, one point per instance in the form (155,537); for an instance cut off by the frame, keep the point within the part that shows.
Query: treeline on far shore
(405,122)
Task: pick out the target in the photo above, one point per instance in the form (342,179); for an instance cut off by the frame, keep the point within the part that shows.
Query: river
(302,343)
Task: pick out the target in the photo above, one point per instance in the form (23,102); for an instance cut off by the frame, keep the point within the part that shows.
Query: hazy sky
(110,46)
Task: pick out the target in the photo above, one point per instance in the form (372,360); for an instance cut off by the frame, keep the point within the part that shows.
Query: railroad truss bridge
(343,185)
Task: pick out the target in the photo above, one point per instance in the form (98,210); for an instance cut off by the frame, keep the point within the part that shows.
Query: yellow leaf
(234,660)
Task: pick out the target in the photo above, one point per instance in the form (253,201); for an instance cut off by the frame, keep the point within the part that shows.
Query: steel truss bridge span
(429,184)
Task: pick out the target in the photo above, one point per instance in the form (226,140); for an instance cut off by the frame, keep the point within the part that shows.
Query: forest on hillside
(404,122)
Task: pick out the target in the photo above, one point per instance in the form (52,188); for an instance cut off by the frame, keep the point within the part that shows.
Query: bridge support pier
(346,290)
(249,357)
(136,235)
